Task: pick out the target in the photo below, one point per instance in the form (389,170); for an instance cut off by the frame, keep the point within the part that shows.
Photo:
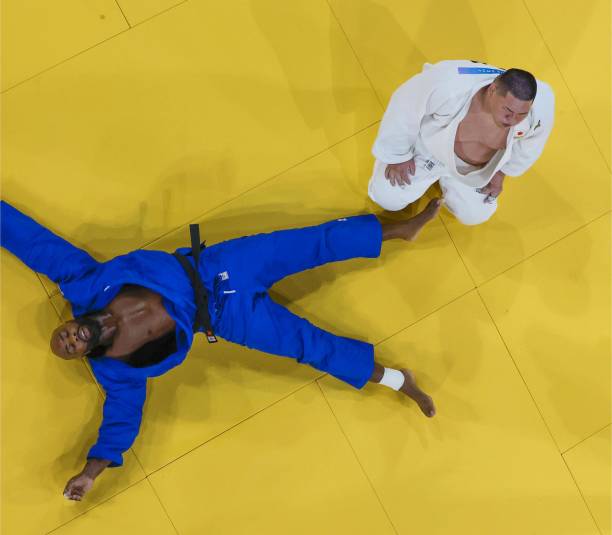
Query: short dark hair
(521,84)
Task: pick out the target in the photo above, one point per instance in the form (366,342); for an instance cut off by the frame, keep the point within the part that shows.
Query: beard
(94,328)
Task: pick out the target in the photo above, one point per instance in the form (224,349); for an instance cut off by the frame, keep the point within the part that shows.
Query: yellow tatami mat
(122,121)
(553,312)
(589,462)
(295,451)
(50,414)
(580,44)
(485,463)
(37,34)
(137,510)
(137,11)
(174,127)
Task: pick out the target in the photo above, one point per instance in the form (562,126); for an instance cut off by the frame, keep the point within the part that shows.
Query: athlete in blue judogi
(135,315)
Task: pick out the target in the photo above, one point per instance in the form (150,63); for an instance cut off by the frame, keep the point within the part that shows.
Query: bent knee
(391,198)
(473,218)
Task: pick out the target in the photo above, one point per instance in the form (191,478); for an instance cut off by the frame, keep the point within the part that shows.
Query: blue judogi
(237,275)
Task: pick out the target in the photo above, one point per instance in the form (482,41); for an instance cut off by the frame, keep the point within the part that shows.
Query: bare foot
(411,389)
(410,228)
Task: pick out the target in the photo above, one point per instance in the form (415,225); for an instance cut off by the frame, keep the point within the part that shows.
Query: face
(507,110)
(75,338)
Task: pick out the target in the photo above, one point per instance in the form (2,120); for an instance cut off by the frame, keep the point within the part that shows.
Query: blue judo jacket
(89,285)
(240,308)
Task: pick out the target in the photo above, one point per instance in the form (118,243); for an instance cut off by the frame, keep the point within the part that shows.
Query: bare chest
(141,318)
(478,139)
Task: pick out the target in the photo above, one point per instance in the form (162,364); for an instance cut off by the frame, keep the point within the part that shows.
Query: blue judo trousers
(237,275)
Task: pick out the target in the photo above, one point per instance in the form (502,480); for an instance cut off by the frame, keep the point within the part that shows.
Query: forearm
(95,467)
(39,248)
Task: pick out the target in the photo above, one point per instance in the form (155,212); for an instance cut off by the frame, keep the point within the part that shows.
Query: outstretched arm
(39,248)
(121,419)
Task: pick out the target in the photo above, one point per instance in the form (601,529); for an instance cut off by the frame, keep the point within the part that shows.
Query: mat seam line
(585,439)
(61,62)
(121,9)
(162,504)
(350,44)
(258,185)
(581,495)
(538,409)
(82,513)
(555,242)
(250,416)
(237,196)
(535,404)
(357,458)
(599,149)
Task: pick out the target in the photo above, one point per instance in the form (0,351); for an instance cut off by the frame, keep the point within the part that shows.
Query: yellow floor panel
(135,511)
(190,405)
(37,34)
(217,387)
(553,312)
(540,207)
(485,463)
(137,11)
(137,136)
(225,112)
(589,461)
(287,470)
(393,38)
(50,415)
(567,187)
(580,43)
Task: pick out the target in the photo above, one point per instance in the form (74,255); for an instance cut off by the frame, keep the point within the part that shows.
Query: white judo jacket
(426,110)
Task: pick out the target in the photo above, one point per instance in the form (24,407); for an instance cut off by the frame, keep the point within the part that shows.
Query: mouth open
(83,333)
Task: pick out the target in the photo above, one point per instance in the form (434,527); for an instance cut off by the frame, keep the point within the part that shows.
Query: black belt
(202,317)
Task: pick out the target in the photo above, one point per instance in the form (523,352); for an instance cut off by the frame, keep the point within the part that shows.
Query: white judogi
(421,122)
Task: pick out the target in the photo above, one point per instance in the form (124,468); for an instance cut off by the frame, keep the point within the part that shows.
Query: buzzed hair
(521,84)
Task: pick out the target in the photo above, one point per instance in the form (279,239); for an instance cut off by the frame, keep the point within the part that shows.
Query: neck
(108,325)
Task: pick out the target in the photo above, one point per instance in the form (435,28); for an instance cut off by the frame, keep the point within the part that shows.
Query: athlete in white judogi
(466,124)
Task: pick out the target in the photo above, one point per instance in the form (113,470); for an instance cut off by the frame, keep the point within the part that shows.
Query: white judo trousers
(463,201)
(421,122)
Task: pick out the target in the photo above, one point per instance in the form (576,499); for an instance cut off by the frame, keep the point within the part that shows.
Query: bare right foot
(409,229)
(411,389)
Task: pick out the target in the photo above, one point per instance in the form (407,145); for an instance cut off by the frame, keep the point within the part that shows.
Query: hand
(78,486)
(494,188)
(399,173)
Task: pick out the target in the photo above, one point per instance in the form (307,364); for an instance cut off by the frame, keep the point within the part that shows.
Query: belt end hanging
(212,339)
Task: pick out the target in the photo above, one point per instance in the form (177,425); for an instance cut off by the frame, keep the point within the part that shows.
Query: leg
(409,388)
(264,259)
(260,323)
(394,198)
(465,203)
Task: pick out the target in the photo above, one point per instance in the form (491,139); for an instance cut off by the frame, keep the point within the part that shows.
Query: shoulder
(545,97)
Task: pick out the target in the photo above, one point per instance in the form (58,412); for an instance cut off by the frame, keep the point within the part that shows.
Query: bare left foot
(411,389)
(412,226)
(409,229)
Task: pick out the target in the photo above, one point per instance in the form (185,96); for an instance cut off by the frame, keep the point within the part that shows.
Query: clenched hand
(494,188)
(78,486)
